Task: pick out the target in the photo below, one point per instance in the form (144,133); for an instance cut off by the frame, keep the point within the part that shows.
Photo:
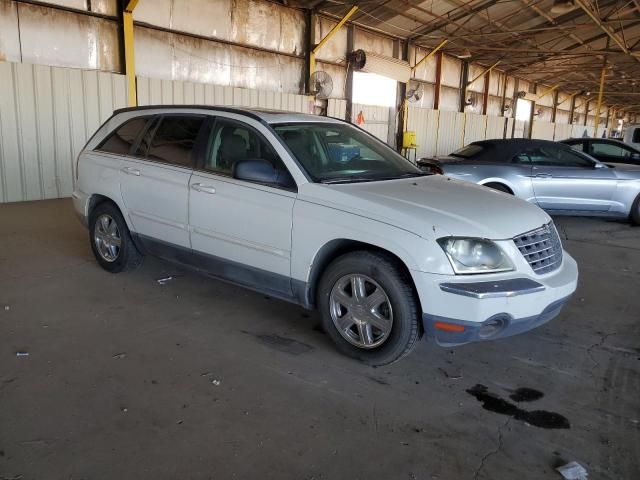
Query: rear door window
(609,150)
(174,139)
(121,140)
(551,156)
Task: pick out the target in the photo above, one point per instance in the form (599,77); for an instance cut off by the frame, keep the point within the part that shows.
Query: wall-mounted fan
(320,84)
(415,91)
(472,101)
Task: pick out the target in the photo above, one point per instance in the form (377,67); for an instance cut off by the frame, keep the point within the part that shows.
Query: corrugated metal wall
(475,127)
(543,130)
(337,108)
(450,132)
(46,116)
(156,91)
(562,131)
(48,113)
(376,120)
(495,127)
(424,122)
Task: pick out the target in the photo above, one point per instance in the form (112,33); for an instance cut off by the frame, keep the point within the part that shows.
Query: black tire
(500,187)
(128,257)
(406,322)
(635,211)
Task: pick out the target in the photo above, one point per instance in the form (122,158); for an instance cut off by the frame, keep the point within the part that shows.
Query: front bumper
(459,310)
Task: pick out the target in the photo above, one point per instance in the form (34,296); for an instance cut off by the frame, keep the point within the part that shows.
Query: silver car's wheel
(106,238)
(361,311)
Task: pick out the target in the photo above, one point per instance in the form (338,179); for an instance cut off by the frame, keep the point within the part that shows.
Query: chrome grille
(541,248)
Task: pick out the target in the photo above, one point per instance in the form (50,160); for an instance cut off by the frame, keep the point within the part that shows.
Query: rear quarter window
(124,137)
(469,151)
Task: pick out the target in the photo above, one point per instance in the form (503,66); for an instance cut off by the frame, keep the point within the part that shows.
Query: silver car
(549,174)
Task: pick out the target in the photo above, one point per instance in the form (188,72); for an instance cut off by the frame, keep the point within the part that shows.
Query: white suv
(318,212)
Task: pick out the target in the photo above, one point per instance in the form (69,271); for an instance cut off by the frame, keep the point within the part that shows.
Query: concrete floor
(122,375)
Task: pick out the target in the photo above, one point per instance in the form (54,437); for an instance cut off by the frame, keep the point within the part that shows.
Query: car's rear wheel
(500,187)
(111,240)
(635,211)
(369,307)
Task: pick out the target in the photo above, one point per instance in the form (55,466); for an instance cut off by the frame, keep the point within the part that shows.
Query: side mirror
(635,156)
(599,165)
(262,171)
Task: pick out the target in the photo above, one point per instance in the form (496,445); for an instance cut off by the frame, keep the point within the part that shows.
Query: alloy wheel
(361,311)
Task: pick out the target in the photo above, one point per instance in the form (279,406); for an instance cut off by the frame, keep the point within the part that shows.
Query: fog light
(492,327)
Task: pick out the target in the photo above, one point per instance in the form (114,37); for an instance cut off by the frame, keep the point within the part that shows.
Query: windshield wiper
(347,179)
(356,179)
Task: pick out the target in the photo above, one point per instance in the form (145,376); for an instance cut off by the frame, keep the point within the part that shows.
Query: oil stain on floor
(537,418)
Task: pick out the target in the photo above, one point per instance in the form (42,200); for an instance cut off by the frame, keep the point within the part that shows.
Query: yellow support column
(129,57)
(600,93)
(312,56)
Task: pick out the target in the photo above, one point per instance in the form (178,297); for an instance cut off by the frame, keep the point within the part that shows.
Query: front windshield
(341,153)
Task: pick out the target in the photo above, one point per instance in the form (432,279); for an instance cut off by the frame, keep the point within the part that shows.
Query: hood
(432,206)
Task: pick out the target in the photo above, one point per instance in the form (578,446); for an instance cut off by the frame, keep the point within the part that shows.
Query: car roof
(513,142)
(264,115)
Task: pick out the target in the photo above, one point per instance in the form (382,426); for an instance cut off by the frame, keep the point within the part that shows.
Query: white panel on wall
(510,126)
(475,127)
(580,131)
(562,116)
(450,132)
(495,127)
(451,68)
(171,92)
(376,120)
(449,99)
(562,131)
(518,129)
(178,57)
(543,130)
(372,42)
(46,116)
(494,106)
(9,33)
(337,108)
(336,47)
(70,40)
(427,70)
(424,122)
(476,72)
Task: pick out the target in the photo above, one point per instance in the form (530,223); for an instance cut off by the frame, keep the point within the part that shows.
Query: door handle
(543,175)
(198,187)
(131,171)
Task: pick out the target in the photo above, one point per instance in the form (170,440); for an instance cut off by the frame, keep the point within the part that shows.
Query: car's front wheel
(111,241)
(369,307)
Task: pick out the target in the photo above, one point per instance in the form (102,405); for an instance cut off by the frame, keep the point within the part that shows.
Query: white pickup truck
(318,212)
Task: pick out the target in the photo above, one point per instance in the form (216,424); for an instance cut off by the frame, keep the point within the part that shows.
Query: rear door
(155,181)
(566,180)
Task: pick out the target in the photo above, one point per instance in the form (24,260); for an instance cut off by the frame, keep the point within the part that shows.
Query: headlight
(475,255)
